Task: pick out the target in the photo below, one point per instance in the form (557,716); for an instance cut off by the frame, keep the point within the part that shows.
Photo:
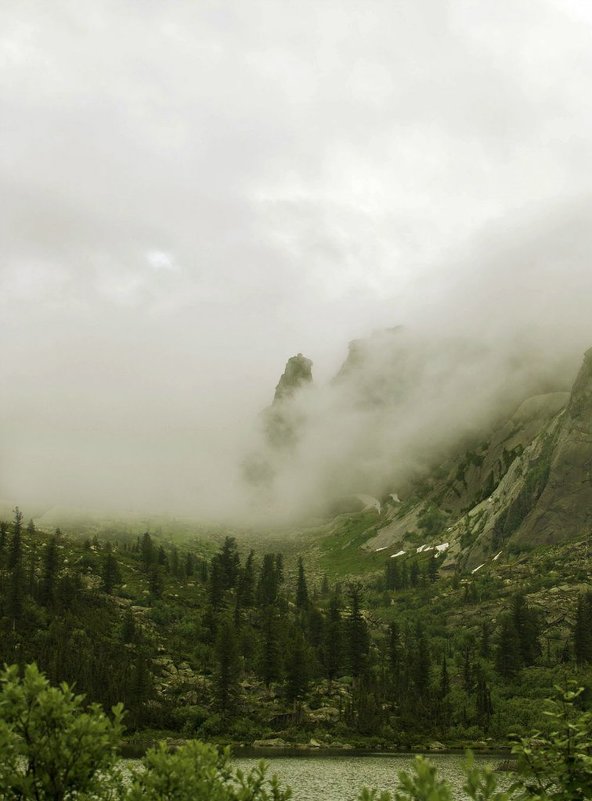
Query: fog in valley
(191,194)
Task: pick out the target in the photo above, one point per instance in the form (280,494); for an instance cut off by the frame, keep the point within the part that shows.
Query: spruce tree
(422,666)
(528,629)
(357,633)
(270,654)
(508,658)
(246,585)
(110,574)
(297,667)
(147,551)
(582,634)
(302,600)
(49,574)
(226,678)
(333,640)
(395,656)
(444,679)
(268,585)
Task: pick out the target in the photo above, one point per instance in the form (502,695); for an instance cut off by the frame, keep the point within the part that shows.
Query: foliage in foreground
(53,749)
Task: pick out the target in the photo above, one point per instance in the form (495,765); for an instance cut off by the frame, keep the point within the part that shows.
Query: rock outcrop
(564,508)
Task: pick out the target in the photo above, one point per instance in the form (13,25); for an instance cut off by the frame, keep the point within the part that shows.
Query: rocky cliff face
(530,484)
(298,373)
(564,509)
(283,420)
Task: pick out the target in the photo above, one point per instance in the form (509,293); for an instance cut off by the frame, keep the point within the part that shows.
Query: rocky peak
(298,372)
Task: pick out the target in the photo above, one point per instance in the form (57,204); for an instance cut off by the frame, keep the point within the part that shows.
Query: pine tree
(16,581)
(189,564)
(216,584)
(395,656)
(174,562)
(444,679)
(422,667)
(485,648)
(3,541)
(49,574)
(508,659)
(246,585)
(302,600)
(128,629)
(156,582)
(162,558)
(527,626)
(147,551)
(270,657)
(15,554)
(110,574)
(357,632)
(297,668)
(333,640)
(226,679)
(268,585)
(433,569)
(229,563)
(582,634)
(483,700)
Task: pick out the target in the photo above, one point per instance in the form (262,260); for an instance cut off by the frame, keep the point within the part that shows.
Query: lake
(340,778)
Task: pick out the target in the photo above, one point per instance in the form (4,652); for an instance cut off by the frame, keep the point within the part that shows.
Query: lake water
(340,778)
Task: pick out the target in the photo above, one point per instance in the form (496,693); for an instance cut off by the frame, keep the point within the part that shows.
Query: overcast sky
(192,191)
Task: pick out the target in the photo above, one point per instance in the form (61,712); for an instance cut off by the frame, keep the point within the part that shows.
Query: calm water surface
(340,778)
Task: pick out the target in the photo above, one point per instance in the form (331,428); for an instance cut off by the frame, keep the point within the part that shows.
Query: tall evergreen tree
(508,658)
(246,585)
(270,656)
(333,640)
(297,667)
(268,584)
(444,679)
(528,629)
(110,574)
(302,599)
(395,656)
(422,666)
(50,573)
(357,633)
(226,678)
(15,555)
(147,551)
(582,634)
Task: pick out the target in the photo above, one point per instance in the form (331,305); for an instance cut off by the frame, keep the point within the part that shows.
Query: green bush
(53,749)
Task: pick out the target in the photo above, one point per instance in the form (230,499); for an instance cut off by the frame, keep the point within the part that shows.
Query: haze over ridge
(191,196)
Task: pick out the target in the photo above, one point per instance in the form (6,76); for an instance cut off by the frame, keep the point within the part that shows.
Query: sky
(191,192)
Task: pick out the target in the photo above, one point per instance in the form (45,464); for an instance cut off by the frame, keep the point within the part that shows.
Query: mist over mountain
(190,198)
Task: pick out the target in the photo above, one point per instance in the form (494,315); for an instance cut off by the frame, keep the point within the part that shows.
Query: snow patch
(477,568)
(399,553)
(497,556)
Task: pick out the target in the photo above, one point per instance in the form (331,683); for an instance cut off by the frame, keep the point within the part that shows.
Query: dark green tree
(508,657)
(297,667)
(110,575)
(268,584)
(49,575)
(302,599)
(270,654)
(147,551)
(333,640)
(226,678)
(358,637)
